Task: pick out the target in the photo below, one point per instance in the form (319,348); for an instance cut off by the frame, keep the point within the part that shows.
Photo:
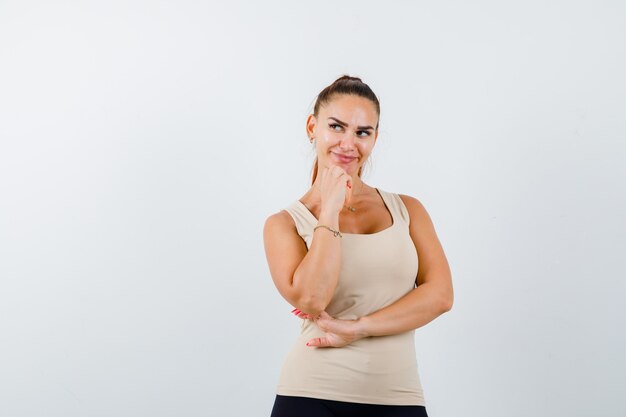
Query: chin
(349,168)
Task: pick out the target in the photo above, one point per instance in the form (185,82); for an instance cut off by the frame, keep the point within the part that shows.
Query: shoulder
(417,211)
(281,220)
(412,203)
(280,231)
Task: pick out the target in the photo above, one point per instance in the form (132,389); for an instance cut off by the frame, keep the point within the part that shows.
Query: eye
(363,131)
(334,125)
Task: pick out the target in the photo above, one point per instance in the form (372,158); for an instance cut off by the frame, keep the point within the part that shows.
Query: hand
(335,189)
(339,332)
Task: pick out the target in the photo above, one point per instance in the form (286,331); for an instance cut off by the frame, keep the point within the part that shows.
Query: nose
(347,141)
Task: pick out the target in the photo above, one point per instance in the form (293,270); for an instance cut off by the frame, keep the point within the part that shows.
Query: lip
(343,158)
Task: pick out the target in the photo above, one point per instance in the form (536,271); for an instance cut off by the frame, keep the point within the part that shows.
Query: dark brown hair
(344,85)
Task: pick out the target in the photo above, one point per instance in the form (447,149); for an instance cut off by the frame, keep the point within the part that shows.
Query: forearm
(417,308)
(316,277)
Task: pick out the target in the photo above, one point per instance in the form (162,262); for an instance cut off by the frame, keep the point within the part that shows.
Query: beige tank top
(376,270)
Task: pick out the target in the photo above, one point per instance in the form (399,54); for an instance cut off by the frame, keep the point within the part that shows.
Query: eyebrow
(344,124)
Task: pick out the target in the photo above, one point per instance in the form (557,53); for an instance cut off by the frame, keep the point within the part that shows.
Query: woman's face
(344,132)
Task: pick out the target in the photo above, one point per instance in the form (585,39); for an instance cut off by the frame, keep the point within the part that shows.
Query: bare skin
(345,133)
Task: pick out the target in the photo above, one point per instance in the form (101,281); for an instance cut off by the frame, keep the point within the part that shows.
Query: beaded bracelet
(335,232)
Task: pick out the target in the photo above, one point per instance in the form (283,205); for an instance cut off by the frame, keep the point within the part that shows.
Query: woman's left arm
(432,297)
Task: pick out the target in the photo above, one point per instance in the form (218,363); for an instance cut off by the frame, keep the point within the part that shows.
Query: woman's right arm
(306,279)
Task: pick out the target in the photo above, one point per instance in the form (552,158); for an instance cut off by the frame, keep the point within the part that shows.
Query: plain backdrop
(143,144)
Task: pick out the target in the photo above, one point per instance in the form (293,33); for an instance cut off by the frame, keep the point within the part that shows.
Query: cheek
(323,143)
(365,148)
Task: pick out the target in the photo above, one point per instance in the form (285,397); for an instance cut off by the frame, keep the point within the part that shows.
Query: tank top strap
(396,206)
(304,220)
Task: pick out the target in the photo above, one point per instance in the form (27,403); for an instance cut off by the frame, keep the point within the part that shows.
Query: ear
(310,125)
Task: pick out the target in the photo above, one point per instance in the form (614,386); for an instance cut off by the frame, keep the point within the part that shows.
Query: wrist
(363,327)
(329,219)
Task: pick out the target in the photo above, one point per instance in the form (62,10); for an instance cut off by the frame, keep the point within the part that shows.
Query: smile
(343,158)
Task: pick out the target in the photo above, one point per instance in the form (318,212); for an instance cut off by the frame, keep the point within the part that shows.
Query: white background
(143,144)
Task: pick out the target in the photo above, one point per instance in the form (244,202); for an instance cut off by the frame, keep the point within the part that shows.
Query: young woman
(363,268)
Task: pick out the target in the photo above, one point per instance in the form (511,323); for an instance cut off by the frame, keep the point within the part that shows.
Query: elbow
(310,301)
(446,303)
(446,306)
(447,297)
(312,305)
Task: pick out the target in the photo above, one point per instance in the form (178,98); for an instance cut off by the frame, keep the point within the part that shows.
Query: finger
(348,190)
(323,326)
(325,315)
(337,171)
(324,173)
(318,342)
(326,325)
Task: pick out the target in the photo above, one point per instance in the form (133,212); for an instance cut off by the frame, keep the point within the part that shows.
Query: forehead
(350,109)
